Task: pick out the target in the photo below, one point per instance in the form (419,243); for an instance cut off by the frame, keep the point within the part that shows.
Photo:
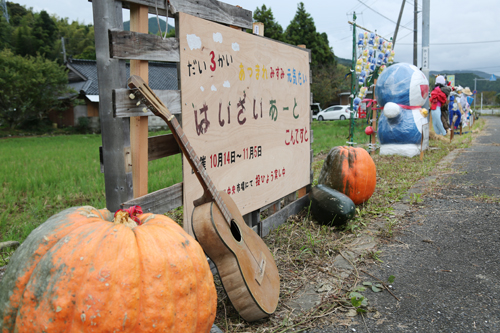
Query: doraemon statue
(401,91)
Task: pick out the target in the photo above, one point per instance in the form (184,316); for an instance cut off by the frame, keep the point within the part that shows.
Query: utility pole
(397,24)
(415,34)
(64,49)
(5,11)
(425,36)
(426,13)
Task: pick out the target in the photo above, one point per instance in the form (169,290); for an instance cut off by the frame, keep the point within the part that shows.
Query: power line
(381,14)
(411,3)
(404,26)
(457,43)
(358,5)
(404,37)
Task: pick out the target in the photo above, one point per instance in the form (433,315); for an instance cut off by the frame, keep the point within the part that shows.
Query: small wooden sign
(245,109)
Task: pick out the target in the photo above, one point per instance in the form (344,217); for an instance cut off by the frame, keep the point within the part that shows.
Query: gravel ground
(446,254)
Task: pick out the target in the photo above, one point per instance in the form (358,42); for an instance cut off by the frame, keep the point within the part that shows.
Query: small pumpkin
(351,171)
(79,272)
(330,207)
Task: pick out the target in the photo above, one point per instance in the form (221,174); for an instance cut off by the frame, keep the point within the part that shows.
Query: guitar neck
(161,110)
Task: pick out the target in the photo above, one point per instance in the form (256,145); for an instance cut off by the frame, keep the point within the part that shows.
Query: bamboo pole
(353,80)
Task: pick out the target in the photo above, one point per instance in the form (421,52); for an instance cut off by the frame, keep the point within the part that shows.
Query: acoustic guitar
(245,264)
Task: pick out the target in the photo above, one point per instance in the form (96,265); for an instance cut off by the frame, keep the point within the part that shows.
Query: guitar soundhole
(235,230)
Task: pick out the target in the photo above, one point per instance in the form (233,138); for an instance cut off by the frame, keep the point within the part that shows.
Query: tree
(302,30)
(78,40)
(44,35)
(328,82)
(16,13)
(22,41)
(35,33)
(5,33)
(170,33)
(488,97)
(29,88)
(272,29)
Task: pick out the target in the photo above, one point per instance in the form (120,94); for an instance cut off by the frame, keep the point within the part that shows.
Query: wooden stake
(139,125)
(374,126)
(422,147)
(452,125)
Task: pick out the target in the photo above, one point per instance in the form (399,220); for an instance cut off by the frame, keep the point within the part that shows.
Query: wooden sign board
(245,110)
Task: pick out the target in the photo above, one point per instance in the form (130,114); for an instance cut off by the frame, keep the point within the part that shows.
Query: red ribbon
(408,107)
(370,102)
(133,212)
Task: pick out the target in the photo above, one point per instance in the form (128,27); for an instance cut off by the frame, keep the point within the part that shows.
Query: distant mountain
(466,78)
(480,74)
(463,78)
(345,62)
(153,25)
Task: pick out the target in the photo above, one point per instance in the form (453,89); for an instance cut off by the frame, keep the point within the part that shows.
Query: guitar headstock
(142,90)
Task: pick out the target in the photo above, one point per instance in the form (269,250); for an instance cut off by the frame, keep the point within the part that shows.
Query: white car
(335,112)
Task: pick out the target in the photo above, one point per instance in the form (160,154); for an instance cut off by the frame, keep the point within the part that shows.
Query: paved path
(446,260)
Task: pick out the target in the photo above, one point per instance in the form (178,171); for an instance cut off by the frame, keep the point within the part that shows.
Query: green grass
(329,134)
(41,176)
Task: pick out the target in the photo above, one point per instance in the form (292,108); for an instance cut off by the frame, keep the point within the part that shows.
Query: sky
(463,34)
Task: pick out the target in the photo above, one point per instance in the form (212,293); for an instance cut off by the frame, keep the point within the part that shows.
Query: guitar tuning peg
(131,96)
(138,103)
(144,110)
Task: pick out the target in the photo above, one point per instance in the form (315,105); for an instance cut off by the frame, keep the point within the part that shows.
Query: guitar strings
(224,210)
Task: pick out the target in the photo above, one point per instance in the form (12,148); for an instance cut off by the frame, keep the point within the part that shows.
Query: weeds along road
(446,255)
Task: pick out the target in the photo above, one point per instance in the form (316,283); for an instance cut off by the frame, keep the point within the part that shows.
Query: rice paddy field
(43,175)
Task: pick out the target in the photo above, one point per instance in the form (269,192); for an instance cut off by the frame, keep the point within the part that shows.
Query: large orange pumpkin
(78,272)
(350,171)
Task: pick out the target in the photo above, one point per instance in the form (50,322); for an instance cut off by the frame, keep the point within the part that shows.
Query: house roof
(83,73)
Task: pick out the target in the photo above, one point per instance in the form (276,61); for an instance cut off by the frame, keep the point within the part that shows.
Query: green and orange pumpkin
(80,272)
(350,171)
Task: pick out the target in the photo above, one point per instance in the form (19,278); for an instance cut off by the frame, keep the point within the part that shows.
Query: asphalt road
(446,257)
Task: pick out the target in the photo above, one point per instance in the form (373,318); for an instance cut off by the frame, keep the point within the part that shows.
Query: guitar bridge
(262,269)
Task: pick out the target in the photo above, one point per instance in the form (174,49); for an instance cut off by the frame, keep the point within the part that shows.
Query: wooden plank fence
(114,46)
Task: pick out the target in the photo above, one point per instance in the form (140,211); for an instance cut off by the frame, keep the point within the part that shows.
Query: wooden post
(303,191)
(373,124)
(115,131)
(452,125)
(431,126)
(422,146)
(139,125)
(373,136)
